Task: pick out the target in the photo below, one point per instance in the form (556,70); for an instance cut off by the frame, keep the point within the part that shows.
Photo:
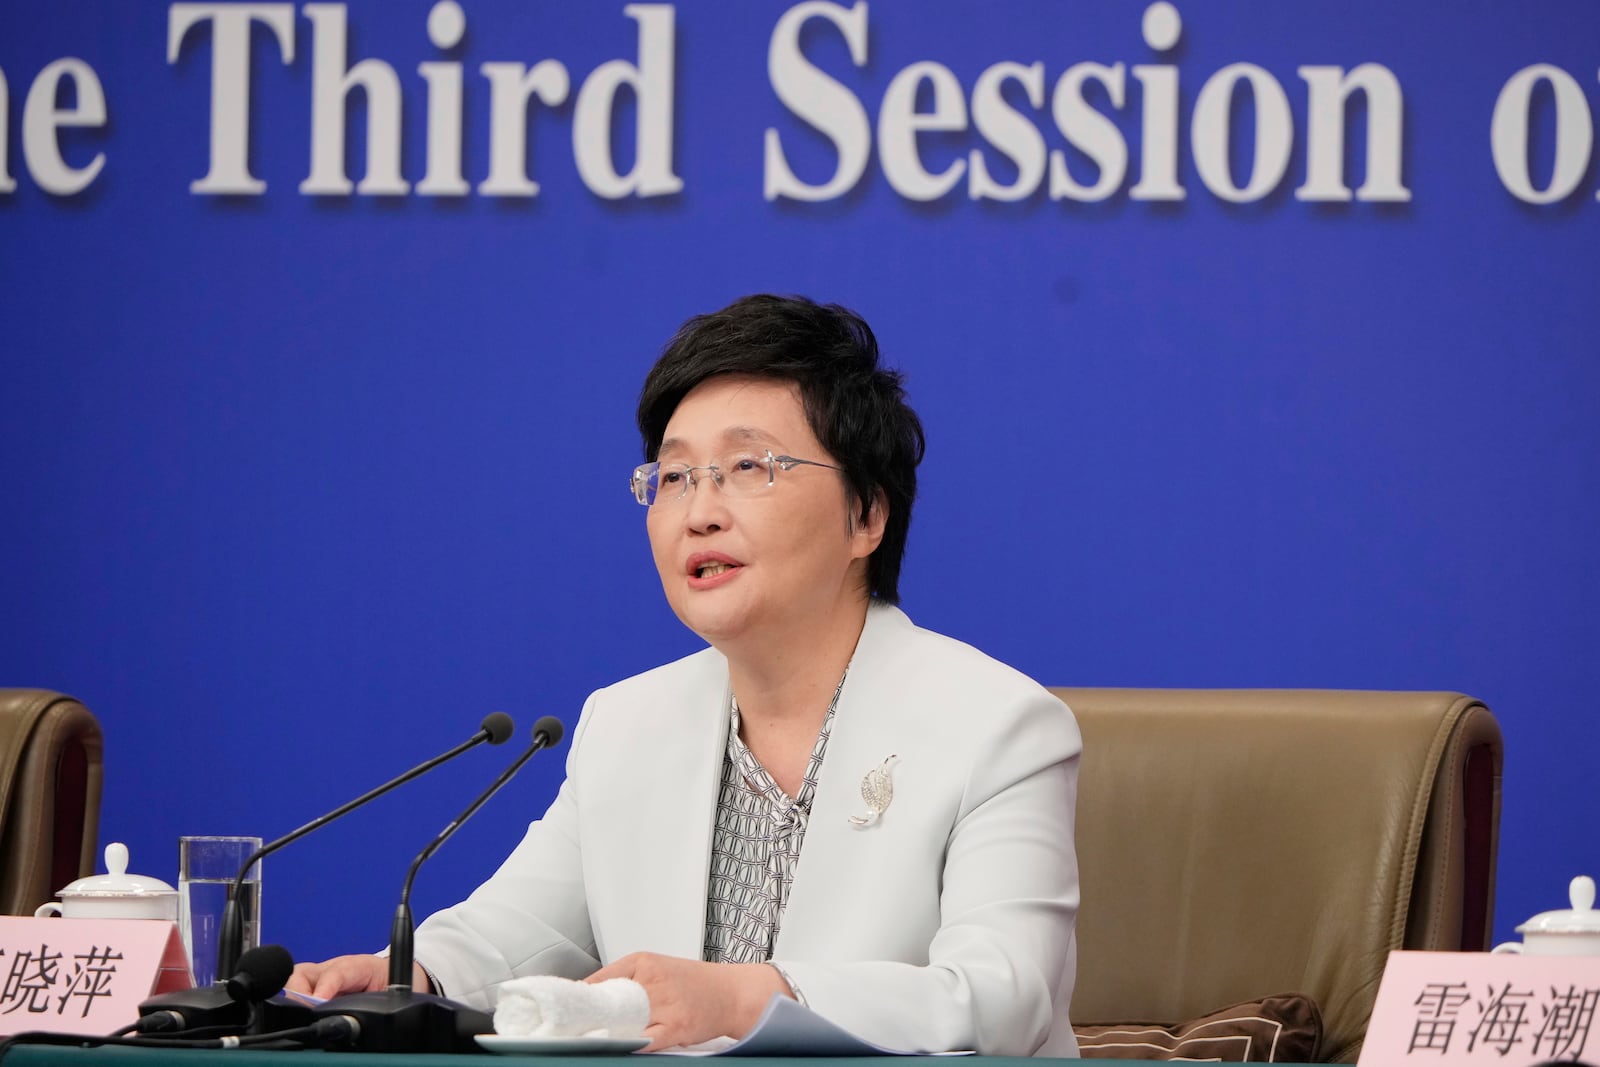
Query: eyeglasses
(737,474)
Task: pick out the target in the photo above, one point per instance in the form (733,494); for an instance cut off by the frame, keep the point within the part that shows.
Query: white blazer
(945,924)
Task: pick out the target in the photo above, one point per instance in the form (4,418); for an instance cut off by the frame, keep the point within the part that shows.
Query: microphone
(495,729)
(547,733)
(399,1019)
(214,1005)
(261,973)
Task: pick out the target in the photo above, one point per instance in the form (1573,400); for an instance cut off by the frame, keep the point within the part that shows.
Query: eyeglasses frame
(641,474)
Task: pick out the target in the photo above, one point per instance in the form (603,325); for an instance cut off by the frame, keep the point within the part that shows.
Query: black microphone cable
(325,1032)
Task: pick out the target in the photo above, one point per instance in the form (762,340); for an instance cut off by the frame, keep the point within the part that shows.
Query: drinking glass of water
(207,867)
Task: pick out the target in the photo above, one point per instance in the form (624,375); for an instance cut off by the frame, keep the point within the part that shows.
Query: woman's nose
(705,508)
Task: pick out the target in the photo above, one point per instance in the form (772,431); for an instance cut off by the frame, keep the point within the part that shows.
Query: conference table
(118,1056)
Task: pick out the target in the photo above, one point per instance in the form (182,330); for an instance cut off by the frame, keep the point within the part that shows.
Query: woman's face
(767,566)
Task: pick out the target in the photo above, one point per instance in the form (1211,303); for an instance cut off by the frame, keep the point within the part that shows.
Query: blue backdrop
(299,484)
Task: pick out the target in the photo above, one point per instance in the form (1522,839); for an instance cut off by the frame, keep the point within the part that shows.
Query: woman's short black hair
(856,408)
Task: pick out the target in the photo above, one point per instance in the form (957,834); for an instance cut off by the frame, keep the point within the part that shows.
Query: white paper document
(787,1029)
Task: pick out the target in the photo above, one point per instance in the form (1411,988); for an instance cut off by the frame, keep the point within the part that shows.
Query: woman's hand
(349,974)
(693,1001)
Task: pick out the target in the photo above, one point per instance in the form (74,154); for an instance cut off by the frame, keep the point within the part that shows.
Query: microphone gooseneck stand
(399,1019)
(216,1005)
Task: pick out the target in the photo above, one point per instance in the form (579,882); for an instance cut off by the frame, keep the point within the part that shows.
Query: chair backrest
(51,769)
(1235,844)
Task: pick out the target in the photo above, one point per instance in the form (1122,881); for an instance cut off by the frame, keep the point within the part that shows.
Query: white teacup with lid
(115,895)
(1571,931)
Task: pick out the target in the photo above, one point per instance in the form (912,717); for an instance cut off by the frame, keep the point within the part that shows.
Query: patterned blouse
(754,849)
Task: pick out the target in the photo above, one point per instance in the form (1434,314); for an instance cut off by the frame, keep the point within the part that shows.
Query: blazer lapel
(861,737)
(673,801)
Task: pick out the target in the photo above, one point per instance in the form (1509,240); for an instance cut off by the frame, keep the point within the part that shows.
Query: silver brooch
(877,789)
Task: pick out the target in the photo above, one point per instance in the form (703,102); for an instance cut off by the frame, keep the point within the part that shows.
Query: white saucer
(560,1046)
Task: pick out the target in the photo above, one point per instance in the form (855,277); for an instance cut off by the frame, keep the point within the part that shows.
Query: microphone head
(262,972)
(498,725)
(551,728)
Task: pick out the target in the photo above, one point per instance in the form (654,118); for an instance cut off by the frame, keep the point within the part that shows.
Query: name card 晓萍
(85,976)
(1464,1008)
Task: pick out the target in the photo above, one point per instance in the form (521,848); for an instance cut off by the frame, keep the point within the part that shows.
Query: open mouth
(704,567)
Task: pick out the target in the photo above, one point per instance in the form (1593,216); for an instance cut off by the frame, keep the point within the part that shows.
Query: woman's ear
(866,531)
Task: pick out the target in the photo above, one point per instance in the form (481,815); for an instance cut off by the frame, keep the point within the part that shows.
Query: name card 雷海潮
(1458,1009)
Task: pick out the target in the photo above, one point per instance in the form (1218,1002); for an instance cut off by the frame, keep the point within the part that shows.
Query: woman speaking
(828,803)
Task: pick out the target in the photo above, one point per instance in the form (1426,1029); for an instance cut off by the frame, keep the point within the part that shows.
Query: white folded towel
(546,1006)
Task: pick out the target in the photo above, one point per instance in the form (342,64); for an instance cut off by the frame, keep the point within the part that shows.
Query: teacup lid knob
(117,882)
(1581,893)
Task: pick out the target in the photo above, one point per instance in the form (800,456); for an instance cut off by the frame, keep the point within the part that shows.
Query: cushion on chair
(1286,1028)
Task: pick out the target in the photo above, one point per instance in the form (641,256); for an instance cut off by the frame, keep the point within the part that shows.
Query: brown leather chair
(51,767)
(1235,844)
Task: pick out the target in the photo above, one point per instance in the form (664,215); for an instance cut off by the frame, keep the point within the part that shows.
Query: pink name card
(85,976)
(1461,1008)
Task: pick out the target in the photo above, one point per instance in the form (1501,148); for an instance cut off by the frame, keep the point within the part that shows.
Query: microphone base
(281,1013)
(406,1021)
(203,1006)
(211,1005)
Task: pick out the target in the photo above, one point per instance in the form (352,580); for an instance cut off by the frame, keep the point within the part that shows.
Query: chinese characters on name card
(84,976)
(1461,1008)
